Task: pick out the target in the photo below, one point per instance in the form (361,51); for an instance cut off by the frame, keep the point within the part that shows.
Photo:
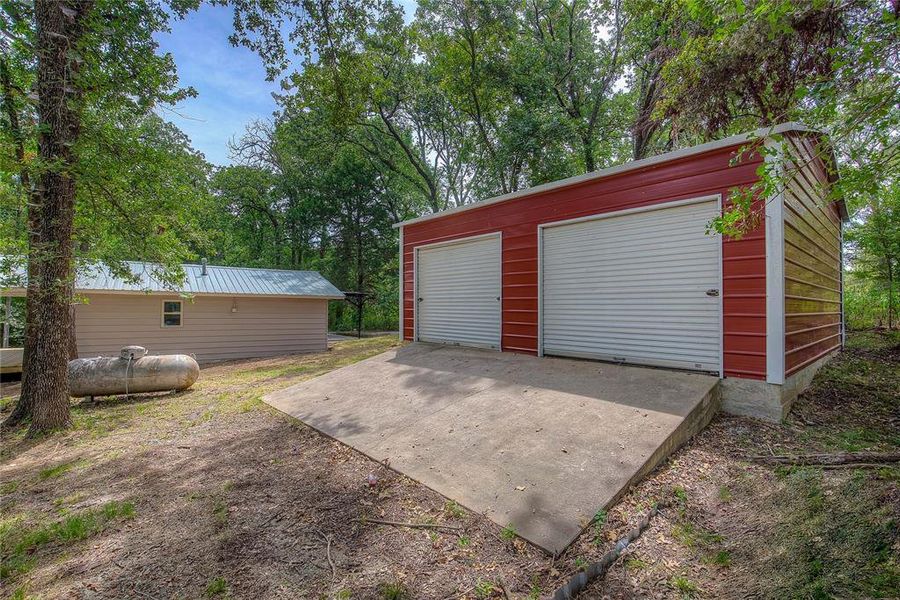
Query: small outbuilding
(218,313)
(619,265)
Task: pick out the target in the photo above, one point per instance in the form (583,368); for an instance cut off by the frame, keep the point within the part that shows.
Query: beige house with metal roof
(218,313)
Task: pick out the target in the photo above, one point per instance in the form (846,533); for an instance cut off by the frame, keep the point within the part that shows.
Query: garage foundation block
(769,401)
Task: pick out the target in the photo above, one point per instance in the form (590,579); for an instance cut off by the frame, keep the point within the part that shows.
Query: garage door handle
(419,299)
(712,292)
(498,298)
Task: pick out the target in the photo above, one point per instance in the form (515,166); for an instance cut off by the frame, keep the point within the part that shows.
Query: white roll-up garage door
(458,293)
(638,288)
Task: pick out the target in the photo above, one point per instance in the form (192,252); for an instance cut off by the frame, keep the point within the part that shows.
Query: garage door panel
(459,286)
(625,228)
(648,254)
(634,348)
(616,271)
(633,288)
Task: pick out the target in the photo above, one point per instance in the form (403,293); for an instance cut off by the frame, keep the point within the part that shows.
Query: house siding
(210,330)
(744,263)
(812,260)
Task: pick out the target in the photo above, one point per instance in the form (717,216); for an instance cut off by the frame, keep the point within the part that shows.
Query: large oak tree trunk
(59,27)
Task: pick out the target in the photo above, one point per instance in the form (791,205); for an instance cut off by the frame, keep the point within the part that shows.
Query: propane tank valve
(133,352)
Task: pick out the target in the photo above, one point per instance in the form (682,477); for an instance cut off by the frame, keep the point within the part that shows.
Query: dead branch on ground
(861,460)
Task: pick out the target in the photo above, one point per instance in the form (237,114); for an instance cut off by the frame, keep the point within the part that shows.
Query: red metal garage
(616,265)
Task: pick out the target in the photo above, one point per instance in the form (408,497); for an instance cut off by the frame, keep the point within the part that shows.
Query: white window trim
(163,313)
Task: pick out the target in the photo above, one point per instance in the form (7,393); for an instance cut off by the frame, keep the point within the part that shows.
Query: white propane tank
(132,372)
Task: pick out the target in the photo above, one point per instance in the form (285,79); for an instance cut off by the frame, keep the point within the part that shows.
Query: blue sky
(230,82)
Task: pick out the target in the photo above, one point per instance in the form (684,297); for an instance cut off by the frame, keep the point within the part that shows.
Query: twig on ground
(411,525)
(327,539)
(855,466)
(579,582)
(503,589)
(862,459)
(270,519)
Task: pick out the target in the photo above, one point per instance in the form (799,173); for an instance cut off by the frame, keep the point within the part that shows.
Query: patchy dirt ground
(209,493)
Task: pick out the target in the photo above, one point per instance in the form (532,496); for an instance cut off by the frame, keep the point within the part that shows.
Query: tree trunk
(48,345)
(890,274)
(588,147)
(73,338)
(6,316)
(359,275)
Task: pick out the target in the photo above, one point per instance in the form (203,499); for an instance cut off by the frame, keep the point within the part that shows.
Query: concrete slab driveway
(537,443)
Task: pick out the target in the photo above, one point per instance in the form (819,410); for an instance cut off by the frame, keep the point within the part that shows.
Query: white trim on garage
(402,326)
(775,320)
(497,344)
(655,207)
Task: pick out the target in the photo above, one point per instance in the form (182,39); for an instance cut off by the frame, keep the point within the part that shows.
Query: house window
(171,313)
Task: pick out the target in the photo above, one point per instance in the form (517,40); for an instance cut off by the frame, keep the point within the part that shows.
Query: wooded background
(383,118)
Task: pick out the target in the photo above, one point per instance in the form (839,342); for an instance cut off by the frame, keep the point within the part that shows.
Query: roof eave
(21,291)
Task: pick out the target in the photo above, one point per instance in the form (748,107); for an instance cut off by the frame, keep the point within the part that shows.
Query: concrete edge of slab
(692,424)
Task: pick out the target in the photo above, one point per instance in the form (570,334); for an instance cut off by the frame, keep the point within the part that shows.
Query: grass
(725,494)
(19,543)
(508,533)
(484,588)
(95,420)
(836,532)
(597,524)
(454,510)
(342,355)
(722,558)
(694,536)
(58,470)
(636,564)
(841,547)
(40,537)
(216,587)
(859,438)
(73,498)
(393,590)
(684,586)
(220,512)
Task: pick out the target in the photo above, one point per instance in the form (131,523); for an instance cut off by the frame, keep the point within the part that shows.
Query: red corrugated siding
(744,262)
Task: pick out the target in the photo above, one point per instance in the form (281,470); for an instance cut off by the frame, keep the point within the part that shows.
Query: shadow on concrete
(435,371)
